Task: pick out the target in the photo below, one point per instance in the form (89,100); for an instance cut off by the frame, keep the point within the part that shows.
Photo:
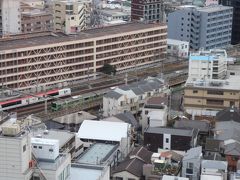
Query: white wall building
(113,132)
(210,64)
(214,170)
(15,155)
(45,149)
(178,48)
(154,116)
(10,17)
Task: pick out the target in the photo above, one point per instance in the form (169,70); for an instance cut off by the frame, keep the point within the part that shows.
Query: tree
(108,69)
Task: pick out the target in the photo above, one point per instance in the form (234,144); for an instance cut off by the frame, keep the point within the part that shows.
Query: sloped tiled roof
(229,114)
(142,153)
(133,166)
(128,118)
(232,149)
(135,161)
(203,126)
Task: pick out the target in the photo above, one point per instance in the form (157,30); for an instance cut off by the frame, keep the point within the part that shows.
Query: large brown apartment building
(47,59)
(207,97)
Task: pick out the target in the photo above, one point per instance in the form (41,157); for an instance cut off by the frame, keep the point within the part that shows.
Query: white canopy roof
(103,130)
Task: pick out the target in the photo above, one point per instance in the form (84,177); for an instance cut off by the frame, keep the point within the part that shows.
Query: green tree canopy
(108,69)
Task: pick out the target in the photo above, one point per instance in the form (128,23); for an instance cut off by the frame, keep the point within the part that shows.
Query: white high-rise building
(210,64)
(10,17)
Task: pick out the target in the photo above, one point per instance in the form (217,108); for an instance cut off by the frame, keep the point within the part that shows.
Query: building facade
(69,16)
(210,64)
(207,97)
(191,164)
(56,59)
(204,27)
(15,156)
(147,11)
(236,19)
(10,17)
(36,21)
(178,48)
(170,138)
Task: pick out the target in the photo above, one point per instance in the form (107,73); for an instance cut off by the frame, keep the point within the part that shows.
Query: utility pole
(45,105)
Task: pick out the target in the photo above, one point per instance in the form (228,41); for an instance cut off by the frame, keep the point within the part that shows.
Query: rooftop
(213,8)
(228,84)
(213,164)
(115,131)
(229,114)
(61,159)
(97,154)
(172,131)
(203,126)
(193,153)
(18,42)
(85,172)
(61,135)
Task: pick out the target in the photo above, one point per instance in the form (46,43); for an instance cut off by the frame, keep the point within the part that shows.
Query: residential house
(163,163)
(154,116)
(212,169)
(231,150)
(203,126)
(191,163)
(131,97)
(132,167)
(170,138)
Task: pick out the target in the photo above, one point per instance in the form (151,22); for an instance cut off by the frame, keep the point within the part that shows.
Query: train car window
(54,94)
(11,104)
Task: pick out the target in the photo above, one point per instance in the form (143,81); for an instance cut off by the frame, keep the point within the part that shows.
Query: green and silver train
(79,100)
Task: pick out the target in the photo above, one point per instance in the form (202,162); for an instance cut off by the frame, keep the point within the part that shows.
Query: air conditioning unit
(11,130)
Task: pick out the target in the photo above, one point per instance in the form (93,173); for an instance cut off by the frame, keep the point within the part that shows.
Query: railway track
(101,83)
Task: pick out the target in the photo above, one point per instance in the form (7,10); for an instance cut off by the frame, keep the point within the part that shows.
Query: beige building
(36,21)
(69,16)
(209,96)
(48,60)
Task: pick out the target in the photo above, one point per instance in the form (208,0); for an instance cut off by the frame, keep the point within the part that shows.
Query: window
(39,147)
(50,150)
(215,92)
(24,148)
(195,91)
(167,140)
(72,18)
(119,178)
(214,102)
(189,169)
(35,147)
(190,165)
